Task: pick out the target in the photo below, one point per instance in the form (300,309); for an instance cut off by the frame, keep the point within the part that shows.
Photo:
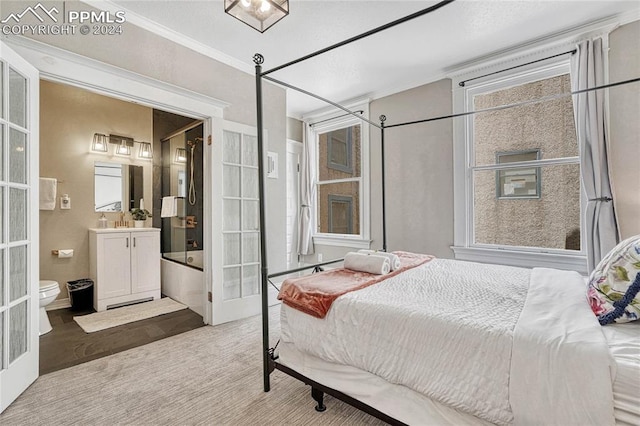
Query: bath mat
(119,316)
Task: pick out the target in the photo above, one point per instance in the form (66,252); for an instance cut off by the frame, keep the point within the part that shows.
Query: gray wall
(624,102)
(150,55)
(419,171)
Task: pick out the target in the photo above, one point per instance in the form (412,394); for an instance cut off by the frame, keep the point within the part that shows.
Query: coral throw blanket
(313,294)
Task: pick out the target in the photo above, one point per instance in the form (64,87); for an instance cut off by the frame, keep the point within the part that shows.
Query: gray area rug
(212,376)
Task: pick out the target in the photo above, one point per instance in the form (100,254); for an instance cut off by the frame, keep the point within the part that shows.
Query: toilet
(49,290)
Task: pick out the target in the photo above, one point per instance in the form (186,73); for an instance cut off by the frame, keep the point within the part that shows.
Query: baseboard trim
(58,304)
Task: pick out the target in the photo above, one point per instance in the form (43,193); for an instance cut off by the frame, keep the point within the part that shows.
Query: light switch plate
(65,203)
(272,165)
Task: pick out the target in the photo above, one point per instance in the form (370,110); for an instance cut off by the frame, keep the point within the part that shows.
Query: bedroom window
(342,204)
(522,174)
(338,179)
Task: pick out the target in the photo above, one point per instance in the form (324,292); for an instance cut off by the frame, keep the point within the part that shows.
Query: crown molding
(61,65)
(548,45)
(179,38)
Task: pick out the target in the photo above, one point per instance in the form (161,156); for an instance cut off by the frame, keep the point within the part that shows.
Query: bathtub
(193,258)
(183,283)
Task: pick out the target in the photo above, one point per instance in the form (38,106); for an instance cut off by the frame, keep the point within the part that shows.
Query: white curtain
(307,192)
(587,71)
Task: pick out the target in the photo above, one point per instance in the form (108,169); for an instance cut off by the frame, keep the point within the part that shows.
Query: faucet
(192,243)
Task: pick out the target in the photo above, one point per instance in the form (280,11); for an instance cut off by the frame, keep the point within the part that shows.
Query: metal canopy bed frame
(270,358)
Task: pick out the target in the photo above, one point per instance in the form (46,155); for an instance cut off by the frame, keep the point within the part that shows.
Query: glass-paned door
(236,290)
(18,225)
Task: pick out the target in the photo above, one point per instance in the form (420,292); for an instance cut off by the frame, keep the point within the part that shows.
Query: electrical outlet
(319,257)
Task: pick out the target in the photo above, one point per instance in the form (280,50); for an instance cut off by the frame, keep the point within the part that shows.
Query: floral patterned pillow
(614,285)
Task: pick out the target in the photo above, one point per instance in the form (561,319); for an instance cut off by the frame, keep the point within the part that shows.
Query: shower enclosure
(182,214)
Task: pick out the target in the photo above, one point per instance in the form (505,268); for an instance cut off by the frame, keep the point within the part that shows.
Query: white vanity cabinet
(125,265)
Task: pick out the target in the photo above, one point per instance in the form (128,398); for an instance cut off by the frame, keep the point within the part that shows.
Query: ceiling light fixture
(258,14)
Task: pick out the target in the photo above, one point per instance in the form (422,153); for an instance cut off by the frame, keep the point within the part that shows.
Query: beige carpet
(126,314)
(208,376)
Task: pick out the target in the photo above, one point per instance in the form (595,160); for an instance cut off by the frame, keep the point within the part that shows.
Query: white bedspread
(559,350)
(445,330)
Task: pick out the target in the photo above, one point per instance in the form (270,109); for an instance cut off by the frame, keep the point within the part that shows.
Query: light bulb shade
(181,155)
(123,144)
(123,149)
(100,143)
(145,150)
(258,14)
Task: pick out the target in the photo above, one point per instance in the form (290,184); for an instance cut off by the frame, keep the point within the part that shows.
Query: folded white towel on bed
(48,187)
(370,263)
(394,260)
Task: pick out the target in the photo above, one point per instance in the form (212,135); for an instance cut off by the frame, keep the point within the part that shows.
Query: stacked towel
(169,207)
(48,187)
(394,260)
(370,263)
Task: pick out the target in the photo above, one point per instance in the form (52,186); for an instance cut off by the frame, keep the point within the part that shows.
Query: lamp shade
(123,149)
(100,143)
(181,155)
(258,14)
(145,150)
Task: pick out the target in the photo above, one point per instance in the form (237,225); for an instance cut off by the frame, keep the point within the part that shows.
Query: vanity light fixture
(258,14)
(145,150)
(123,144)
(99,143)
(181,155)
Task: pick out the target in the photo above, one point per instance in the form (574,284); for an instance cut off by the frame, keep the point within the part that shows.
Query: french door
(19,84)
(236,242)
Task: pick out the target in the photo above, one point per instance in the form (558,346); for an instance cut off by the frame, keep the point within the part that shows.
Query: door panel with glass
(18,225)
(236,275)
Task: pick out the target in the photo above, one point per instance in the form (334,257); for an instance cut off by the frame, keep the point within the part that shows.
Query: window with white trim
(342,181)
(522,170)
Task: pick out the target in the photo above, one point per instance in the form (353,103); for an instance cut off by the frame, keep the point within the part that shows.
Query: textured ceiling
(404,56)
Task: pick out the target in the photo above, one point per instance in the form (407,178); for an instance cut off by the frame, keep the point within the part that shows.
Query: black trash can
(81,294)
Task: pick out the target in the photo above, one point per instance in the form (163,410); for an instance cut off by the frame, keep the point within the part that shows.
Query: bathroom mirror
(118,187)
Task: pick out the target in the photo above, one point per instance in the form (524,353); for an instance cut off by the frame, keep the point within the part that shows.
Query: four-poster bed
(367,383)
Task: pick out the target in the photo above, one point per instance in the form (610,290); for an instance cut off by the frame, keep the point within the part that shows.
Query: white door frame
(98,77)
(25,369)
(294,147)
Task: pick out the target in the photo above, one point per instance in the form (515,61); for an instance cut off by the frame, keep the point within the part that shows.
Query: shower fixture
(192,188)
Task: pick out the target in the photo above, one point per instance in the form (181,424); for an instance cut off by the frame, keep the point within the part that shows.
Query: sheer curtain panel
(587,71)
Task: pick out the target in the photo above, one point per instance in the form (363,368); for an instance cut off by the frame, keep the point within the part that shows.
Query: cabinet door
(145,261)
(114,260)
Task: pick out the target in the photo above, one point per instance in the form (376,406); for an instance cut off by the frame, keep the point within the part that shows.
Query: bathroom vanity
(124,266)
